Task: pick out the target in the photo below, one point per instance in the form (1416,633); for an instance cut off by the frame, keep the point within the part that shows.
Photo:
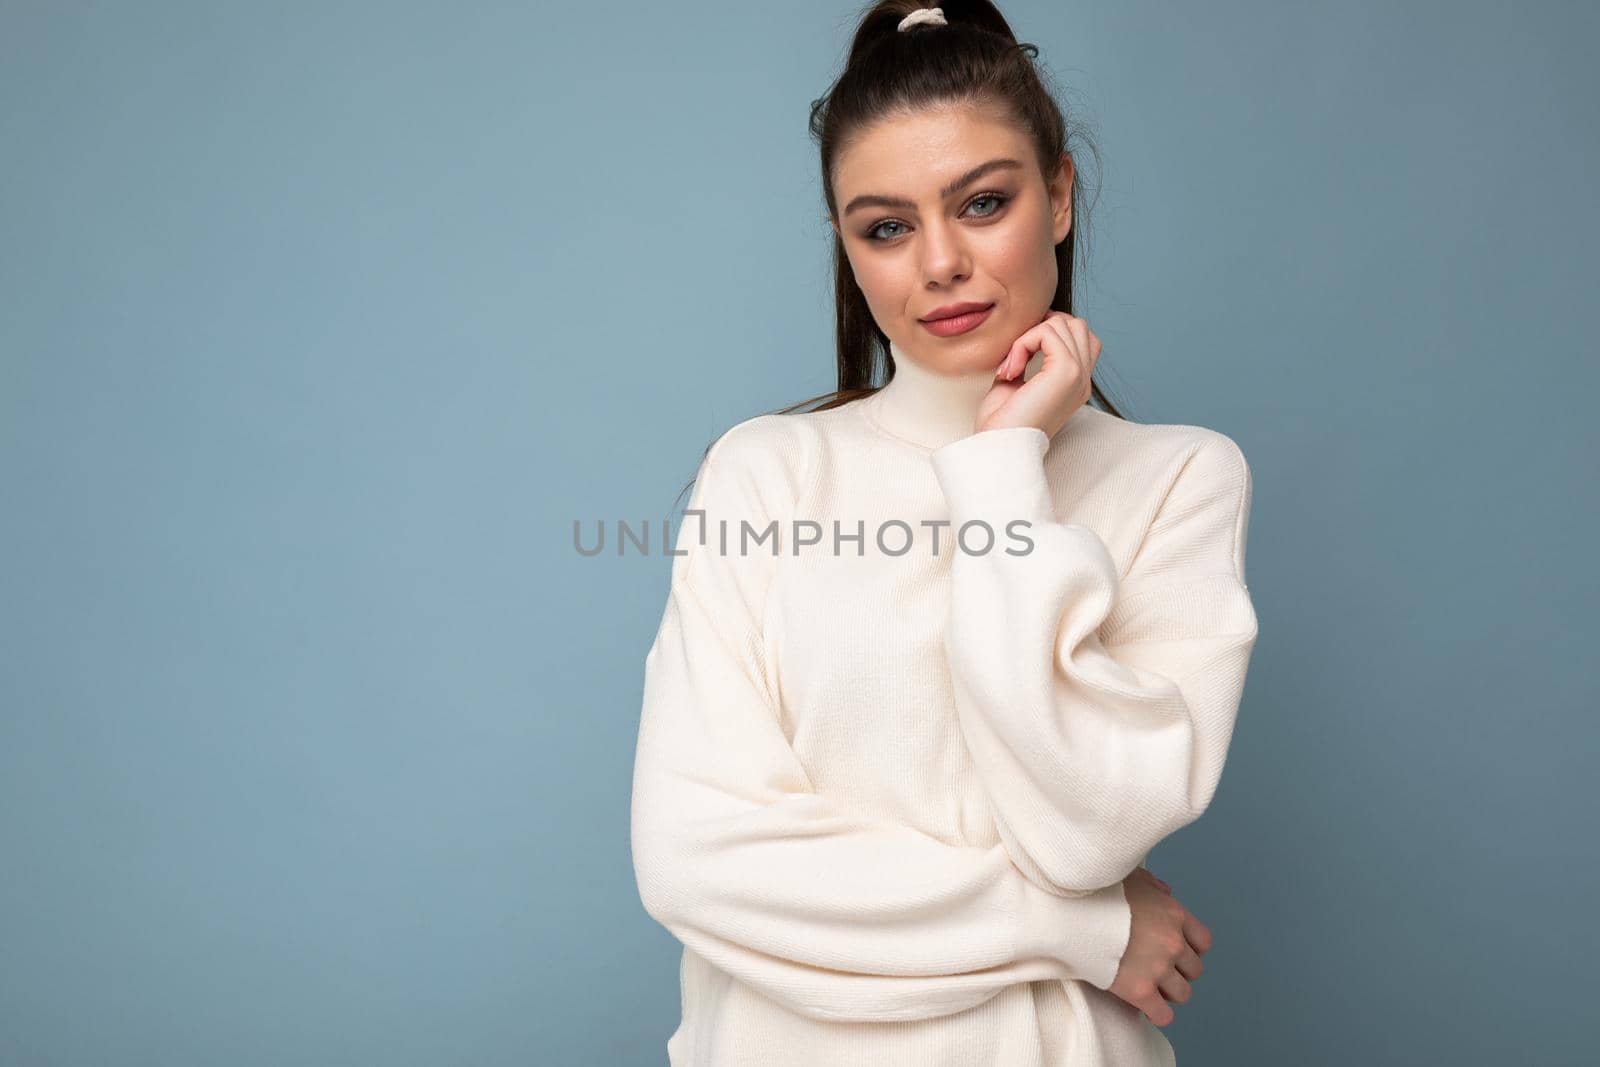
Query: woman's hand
(1061,386)
(1165,944)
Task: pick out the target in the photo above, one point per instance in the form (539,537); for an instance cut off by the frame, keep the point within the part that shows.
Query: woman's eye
(999,201)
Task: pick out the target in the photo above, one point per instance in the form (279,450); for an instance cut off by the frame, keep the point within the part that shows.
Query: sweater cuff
(1088,933)
(996,476)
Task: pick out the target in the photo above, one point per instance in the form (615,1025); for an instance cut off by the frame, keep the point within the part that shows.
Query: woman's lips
(959,323)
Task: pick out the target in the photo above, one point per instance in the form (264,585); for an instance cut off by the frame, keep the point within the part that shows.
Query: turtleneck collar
(926,408)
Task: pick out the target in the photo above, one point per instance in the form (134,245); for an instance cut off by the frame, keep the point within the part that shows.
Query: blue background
(322,323)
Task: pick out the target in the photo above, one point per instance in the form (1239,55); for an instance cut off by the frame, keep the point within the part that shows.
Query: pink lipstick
(953,319)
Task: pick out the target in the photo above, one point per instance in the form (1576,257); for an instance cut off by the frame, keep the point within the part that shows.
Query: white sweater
(885,795)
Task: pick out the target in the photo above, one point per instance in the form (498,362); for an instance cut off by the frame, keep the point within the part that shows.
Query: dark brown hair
(973,59)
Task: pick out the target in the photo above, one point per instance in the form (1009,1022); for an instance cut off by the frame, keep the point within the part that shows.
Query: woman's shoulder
(1159,442)
(1181,464)
(770,441)
(767,459)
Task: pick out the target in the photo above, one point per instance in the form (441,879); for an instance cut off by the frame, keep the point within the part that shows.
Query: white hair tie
(931,15)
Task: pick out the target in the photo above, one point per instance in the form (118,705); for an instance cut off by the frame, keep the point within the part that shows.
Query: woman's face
(990,240)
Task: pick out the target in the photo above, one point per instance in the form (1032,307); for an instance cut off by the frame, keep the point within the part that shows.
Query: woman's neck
(926,407)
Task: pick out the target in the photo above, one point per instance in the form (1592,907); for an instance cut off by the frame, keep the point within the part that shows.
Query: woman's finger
(1197,934)
(1021,351)
(1058,321)
(1023,348)
(1008,360)
(1062,325)
(1156,1009)
(1084,342)
(1175,987)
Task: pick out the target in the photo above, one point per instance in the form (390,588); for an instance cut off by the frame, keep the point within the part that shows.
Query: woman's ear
(1061,199)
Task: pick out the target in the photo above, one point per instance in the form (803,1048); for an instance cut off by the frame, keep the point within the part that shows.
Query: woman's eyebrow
(874,200)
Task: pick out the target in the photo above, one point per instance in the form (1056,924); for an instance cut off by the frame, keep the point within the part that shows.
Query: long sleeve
(1098,711)
(834,914)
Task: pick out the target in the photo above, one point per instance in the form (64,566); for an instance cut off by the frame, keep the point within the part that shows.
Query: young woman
(942,659)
